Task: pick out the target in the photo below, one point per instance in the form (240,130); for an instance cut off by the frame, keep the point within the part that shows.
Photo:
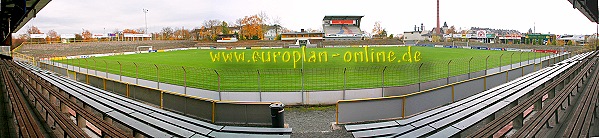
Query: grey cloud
(396,16)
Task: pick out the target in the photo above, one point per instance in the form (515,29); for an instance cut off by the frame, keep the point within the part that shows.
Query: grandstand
(342,28)
(86,48)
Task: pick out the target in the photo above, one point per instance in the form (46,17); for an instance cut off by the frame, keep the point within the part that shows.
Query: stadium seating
(145,119)
(342,29)
(331,30)
(355,29)
(465,113)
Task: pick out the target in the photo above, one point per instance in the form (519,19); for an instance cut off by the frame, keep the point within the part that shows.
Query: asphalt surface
(314,122)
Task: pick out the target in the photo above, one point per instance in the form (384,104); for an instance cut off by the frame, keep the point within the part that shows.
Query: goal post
(457,43)
(143,49)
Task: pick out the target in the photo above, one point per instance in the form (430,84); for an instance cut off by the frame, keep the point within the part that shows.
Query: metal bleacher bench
(149,120)
(499,125)
(468,111)
(583,116)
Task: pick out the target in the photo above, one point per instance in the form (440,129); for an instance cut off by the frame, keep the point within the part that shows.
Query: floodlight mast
(146,19)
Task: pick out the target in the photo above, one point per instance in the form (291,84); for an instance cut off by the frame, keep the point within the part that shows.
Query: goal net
(143,49)
(461,44)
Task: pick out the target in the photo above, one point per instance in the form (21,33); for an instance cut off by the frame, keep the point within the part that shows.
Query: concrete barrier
(515,73)
(432,98)
(81,77)
(496,80)
(289,98)
(242,112)
(433,84)
(458,78)
(363,93)
(96,81)
(402,90)
(120,88)
(384,108)
(202,108)
(146,94)
(321,98)
(468,88)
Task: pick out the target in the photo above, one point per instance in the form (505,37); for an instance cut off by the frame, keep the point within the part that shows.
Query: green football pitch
(296,69)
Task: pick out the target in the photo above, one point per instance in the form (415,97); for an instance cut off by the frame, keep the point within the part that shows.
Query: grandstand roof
(588,8)
(18,12)
(343,17)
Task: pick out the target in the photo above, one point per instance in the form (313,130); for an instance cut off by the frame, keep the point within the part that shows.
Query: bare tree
(52,34)
(23,36)
(167,32)
(276,22)
(265,18)
(213,27)
(265,21)
(238,21)
(378,31)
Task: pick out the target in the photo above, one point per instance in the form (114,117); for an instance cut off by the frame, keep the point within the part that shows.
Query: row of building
(489,35)
(335,28)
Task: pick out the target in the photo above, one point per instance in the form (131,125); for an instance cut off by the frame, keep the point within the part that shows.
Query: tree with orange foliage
(33,30)
(203,33)
(129,31)
(78,37)
(182,34)
(251,27)
(451,30)
(86,35)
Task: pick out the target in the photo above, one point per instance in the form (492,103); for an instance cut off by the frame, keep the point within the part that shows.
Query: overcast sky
(71,16)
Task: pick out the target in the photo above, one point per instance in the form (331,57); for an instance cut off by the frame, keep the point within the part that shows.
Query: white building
(416,36)
(272,32)
(419,34)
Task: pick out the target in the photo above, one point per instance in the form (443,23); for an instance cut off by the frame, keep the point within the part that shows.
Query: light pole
(82,31)
(146,19)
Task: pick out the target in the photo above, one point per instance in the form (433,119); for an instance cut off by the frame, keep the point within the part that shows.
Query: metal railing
(23,57)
